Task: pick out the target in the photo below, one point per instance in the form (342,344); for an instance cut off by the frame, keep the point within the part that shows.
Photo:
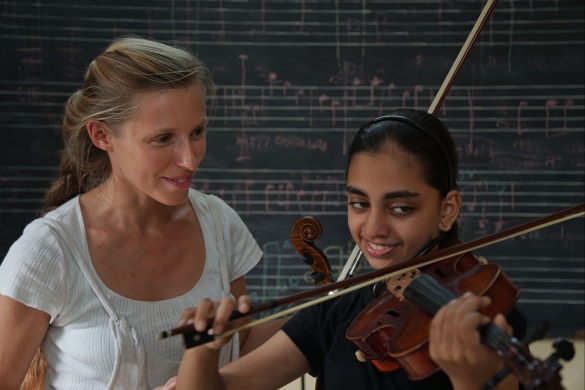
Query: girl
(124,246)
(401,191)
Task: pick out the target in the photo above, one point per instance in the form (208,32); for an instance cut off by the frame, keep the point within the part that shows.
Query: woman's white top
(98,339)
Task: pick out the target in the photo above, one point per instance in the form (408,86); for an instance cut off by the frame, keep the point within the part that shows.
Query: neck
(112,203)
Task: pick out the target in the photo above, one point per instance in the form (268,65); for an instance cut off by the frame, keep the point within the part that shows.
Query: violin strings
(429,289)
(456,251)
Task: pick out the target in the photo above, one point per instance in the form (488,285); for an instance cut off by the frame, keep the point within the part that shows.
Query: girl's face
(392,212)
(160,148)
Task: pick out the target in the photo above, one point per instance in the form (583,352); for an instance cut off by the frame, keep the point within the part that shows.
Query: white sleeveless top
(98,339)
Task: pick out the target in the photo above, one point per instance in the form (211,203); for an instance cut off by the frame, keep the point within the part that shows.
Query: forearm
(259,334)
(508,383)
(199,370)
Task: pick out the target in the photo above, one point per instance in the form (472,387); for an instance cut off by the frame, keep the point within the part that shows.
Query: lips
(183,182)
(378,250)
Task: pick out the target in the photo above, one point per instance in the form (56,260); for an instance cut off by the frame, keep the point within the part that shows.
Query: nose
(188,155)
(376,223)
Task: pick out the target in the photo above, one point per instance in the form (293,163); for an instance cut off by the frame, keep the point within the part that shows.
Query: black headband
(419,126)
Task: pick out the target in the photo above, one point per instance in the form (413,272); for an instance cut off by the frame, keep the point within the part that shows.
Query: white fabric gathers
(82,344)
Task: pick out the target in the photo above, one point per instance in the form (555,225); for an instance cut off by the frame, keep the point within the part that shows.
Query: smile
(378,250)
(180,183)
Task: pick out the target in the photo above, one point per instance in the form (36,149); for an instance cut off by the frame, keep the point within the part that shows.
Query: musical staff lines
(295,79)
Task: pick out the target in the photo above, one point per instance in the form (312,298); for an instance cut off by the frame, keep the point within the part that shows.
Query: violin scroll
(303,235)
(535,374)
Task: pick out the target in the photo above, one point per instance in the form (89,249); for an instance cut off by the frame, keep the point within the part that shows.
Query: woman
(402,195)
(125,245)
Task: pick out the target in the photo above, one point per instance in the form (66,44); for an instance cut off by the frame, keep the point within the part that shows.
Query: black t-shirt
(319,333)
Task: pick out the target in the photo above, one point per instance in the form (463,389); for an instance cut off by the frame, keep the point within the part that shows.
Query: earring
(444,224)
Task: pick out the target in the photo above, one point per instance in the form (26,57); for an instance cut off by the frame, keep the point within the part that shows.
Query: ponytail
(129,67)
(37,373)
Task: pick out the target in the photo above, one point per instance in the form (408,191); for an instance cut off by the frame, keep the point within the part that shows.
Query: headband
(419,126)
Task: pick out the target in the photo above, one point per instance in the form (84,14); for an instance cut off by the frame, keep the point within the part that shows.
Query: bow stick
(358,282)
(356,255)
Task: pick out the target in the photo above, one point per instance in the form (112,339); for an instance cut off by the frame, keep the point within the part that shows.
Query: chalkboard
(295,79)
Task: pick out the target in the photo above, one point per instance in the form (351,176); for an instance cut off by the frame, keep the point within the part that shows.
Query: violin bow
(361,281)
(356,254)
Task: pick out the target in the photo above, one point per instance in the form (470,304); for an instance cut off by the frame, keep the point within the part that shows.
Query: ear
(100,135)
(450,207)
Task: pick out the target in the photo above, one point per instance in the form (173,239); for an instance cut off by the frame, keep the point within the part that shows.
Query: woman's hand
(455,342)
(219,311)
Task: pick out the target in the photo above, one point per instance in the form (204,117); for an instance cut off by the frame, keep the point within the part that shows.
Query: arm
(272,365)
(252,338)
(455,345)
(22,329)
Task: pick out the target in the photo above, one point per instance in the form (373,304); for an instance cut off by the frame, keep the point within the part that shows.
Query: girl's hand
(219,311)
(455,342)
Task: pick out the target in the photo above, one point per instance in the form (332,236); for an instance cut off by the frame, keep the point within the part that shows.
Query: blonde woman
(124,245)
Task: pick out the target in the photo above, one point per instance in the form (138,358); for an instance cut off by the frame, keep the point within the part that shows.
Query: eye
(358,205)
(402,210)
(162,139)
(198,133)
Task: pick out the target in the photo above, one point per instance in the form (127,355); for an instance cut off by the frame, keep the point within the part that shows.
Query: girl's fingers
(224,310)
(186,315)
(455,327)
(220,311)
(244,304)
(204,311)
(501,323)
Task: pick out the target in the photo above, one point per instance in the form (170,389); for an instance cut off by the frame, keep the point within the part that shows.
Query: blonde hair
(128,67)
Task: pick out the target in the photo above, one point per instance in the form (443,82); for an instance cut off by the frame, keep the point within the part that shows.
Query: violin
(393,330)
(417,288)
(458,270)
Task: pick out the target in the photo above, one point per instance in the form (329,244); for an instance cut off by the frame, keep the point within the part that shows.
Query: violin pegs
(307,258)
(318,276)
(564,349)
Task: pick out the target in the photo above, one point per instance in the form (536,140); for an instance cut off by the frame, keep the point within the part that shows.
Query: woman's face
(160,148)
(392,212)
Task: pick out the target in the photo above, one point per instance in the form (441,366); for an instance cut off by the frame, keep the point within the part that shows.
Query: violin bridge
(397,284)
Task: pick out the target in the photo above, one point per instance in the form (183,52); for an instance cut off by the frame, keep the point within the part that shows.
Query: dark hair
(427,152)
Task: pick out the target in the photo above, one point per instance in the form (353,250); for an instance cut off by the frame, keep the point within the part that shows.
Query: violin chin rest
(386,365)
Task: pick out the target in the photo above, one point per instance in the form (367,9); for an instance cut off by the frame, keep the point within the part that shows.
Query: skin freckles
(158,151)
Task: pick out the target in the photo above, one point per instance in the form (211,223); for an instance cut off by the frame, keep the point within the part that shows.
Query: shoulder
(228,215)
(35,268)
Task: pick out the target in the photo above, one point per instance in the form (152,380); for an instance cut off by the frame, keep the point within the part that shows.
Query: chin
(172,199)
(378,263)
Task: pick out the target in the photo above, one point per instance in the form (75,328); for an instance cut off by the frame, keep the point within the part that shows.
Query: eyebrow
(389,195)
(203,123)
